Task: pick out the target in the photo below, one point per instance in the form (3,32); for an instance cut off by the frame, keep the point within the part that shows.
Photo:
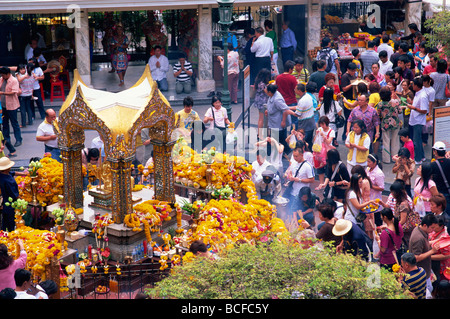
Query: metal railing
(133,278)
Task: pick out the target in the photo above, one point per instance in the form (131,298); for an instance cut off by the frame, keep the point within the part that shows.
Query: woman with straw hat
(8,188)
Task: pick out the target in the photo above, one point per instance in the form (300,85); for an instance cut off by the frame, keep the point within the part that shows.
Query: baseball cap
(439,146)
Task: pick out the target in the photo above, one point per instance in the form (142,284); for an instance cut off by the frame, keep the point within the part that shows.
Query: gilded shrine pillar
(121,188)
(163,168)
(73,179)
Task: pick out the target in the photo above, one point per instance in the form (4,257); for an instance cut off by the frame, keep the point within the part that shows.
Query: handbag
(327,189)
(288,185)
(360,217)
(412,220)
(320,157)
(223,130)
(339,120)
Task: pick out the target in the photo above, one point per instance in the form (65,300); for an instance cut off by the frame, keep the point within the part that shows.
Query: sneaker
(418,163)
(211,94)
(18,143)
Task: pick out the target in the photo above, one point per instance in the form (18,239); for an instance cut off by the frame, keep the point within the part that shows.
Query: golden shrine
(118,118)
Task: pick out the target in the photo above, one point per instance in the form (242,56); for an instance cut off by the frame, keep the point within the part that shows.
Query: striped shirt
(183,76)
(27,86)
(416,282)
(305,112)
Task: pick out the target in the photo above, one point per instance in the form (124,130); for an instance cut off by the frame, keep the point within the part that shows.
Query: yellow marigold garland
(50,182)
(41,246)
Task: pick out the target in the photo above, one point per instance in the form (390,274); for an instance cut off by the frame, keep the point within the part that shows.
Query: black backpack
(325,55)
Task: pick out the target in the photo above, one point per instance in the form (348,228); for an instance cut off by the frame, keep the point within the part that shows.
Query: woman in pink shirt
(390,238)
(8,265)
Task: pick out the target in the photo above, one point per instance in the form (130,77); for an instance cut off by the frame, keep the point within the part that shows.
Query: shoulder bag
(223,130)
(398,252)
(326,191)
(443,175)
(339,120)
(289,184)
(360,217)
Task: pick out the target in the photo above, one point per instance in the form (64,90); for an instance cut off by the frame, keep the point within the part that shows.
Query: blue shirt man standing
(288,43)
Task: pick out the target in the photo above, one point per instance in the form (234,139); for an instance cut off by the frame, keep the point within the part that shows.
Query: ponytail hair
(387,212)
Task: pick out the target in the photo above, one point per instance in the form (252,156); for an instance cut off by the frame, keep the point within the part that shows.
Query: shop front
(350,25)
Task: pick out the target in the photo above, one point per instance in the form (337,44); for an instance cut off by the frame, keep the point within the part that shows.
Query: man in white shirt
(22,277)
(30,47)
(417,120)
(263,49)
(98,144)
(305,113)
(159,66)
(46,134)
(259,166)
(384,46)
(384,63)
(301,173)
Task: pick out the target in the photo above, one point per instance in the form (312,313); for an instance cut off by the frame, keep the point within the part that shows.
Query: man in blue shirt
(288,43)
(232,39)
(416,281)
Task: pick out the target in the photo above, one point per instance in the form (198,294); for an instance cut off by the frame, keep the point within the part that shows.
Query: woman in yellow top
(358,143)
(185,118)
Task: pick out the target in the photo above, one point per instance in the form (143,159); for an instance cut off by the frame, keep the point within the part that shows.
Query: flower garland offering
(132,221)
(163,262)
(138,187)
(396,268)
(41,246)
(49,180)
(100,229)
(190,169)
(224,222)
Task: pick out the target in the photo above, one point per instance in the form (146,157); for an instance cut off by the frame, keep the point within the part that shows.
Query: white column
(413,14)
(82,50)
(205,81)
(313,25)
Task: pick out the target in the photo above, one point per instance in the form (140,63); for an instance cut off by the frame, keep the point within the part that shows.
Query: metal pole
(226,99)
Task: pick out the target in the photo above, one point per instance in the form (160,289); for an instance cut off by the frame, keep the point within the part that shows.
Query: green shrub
(282,270)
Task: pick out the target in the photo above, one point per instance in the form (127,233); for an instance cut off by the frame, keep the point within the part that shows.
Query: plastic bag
(292,141)
(231,137)
(319,155)
(420,207)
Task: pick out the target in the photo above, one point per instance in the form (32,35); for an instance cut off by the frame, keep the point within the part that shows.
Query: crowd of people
(383,103)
